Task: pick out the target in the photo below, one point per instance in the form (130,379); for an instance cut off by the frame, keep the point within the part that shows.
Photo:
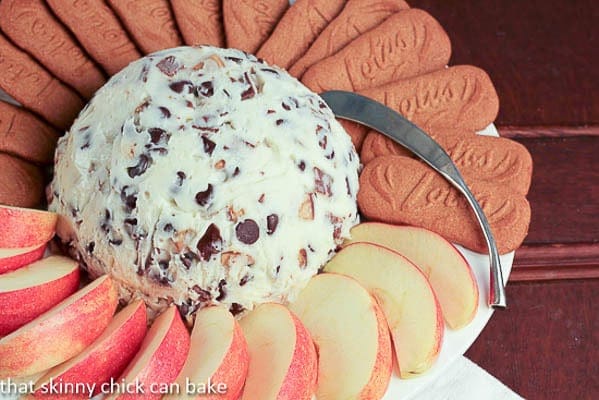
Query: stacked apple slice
(351,336)
(401,281)
(60,333)
(282,354)
(104,359)
(24,234)
(217,364)
(30,291)
(447,270)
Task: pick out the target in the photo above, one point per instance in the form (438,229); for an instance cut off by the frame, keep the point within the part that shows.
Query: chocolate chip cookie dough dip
(201,176)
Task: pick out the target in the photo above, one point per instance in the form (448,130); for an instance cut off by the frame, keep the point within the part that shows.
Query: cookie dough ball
(201,176)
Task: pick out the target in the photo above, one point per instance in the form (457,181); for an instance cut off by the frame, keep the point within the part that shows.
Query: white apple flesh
(15,258)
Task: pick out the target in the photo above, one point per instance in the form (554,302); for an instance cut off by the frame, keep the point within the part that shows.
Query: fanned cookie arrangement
(58,55)
(381,49)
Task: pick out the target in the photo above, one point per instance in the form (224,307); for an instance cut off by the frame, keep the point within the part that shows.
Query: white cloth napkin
(465,380)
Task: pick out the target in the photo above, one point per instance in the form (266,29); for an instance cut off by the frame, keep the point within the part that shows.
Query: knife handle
(497,297)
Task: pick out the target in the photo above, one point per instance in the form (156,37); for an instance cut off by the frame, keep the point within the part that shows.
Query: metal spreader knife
(365,111)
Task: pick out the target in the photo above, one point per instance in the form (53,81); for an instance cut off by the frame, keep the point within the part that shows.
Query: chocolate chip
(302,165)
(236,309)
(130,223)
(180,178)
(279,122)
(236,171)
(130,199)
(179,86)
(157,135)
(286,106)
(204,295)
(222,290)
(116,241)
(168,66)
(247,231)
(323,142)
(209,145)
(90,247)
(245,280)
(321,104)
(202,198)
(188,258)
(211,243)
(234,59)
(347,186)
(141,167)
(144,73)
(271,223)
(168,227)
(163,264)
(330,156)
(165,112)
(248,93)
(183,309)
(272,71)
(206,89)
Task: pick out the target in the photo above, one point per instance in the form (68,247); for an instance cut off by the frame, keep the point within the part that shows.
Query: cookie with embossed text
(402,190)
(248,23)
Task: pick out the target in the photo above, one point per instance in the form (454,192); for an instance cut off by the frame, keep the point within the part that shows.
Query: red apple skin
(108,358)
(25,227)
(8,264)
(22,306)
(166,362)
(53,338)
(233,370)
(304,350)
(381,376)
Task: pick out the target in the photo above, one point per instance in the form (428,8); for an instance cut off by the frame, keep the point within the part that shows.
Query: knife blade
(365,111)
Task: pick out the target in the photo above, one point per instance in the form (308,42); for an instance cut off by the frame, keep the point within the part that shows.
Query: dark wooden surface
(541,54)
(545,346)
(543,57)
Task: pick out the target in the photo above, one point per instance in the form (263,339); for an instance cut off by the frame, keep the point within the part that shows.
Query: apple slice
(283,361)
(105,358)
(351,336)
(12,259)
(159,360)
(32,290)
(25,227)
(217,364)
(407,299)
(447,270)
(60,333)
